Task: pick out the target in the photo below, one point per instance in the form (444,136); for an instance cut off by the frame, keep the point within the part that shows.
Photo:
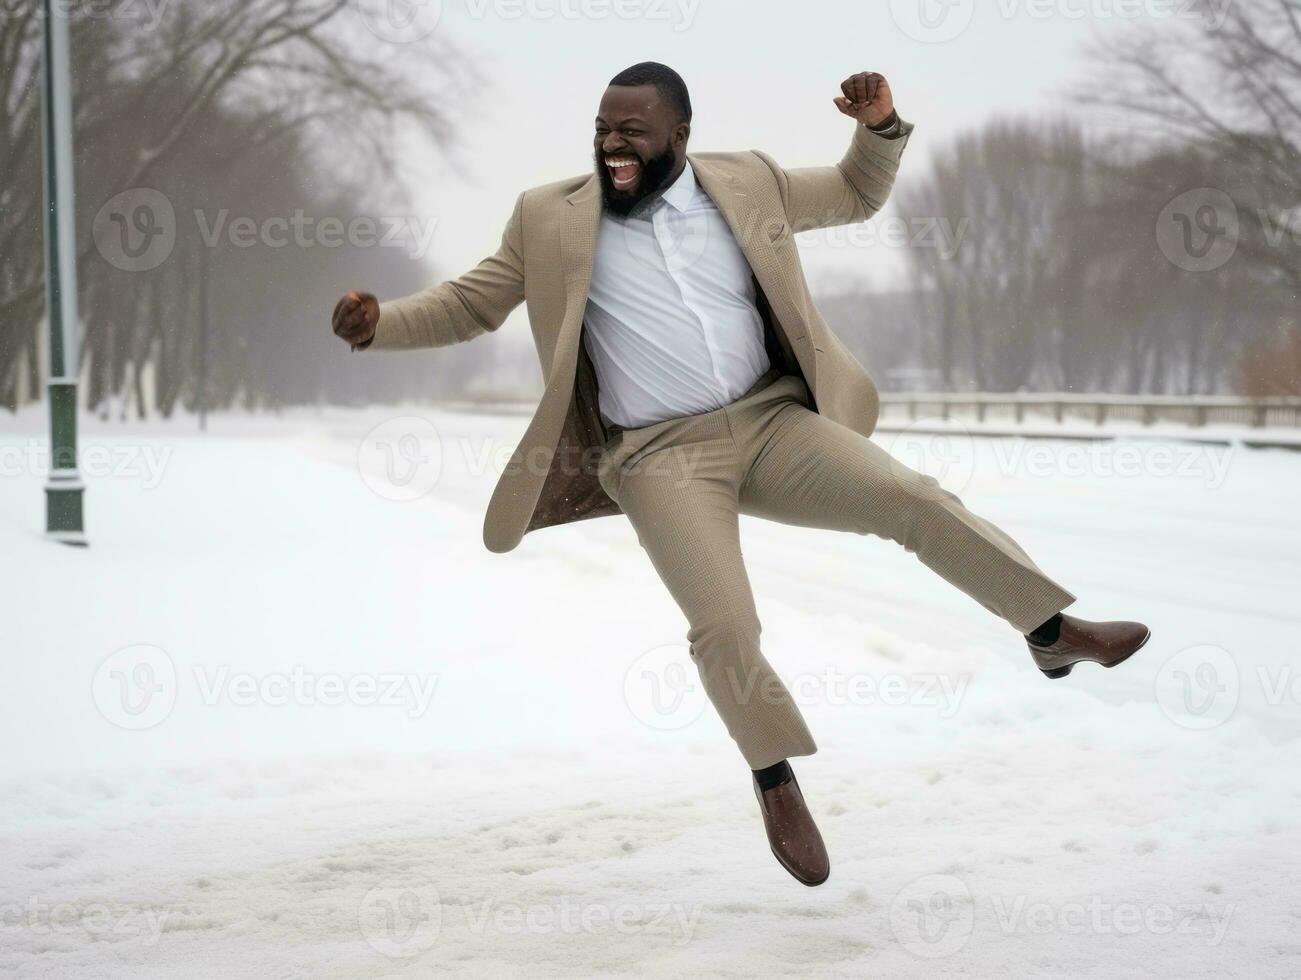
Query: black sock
(1046,633)
(773,775)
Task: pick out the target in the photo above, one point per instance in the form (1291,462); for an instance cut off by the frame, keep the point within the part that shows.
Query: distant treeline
(236,170)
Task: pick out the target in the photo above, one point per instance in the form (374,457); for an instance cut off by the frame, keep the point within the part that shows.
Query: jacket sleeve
(850,192)
(460,309)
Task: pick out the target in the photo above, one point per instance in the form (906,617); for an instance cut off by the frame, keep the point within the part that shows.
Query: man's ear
(682,133)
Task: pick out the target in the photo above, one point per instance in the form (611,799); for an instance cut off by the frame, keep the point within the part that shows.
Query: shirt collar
(682,190)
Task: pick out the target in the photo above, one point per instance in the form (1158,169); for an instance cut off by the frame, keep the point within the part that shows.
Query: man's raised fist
(355,318)
(866,97)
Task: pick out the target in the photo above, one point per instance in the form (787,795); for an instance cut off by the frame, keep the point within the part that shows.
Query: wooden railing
(1196,411)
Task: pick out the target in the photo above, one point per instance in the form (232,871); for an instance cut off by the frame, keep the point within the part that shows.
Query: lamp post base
(63,511)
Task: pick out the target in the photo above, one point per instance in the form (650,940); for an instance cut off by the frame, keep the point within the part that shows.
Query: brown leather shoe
(792,834)
(1102,643)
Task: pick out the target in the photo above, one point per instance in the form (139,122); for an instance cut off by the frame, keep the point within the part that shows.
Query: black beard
(654,175)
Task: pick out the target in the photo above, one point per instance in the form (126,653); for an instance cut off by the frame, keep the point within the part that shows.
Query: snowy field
(280,720)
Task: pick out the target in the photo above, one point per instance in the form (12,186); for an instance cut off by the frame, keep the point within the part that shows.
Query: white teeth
(620,161)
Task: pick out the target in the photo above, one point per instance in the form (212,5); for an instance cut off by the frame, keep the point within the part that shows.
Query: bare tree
(220,82)
(1011,200)
(1230,89)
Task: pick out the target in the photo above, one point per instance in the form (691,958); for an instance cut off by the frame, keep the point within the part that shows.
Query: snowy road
(275,722)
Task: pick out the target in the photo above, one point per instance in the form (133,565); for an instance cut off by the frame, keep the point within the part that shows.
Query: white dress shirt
(671,323)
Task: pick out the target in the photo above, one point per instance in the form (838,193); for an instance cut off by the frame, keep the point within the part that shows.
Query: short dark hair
(667,82)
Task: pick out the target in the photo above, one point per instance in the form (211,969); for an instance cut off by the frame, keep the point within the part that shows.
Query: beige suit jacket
(545,261)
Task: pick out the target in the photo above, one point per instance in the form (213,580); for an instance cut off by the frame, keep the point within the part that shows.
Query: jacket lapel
(754,231)
(581,221)
(578,242)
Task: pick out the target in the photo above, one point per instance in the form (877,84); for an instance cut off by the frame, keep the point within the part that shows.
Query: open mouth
(624,171)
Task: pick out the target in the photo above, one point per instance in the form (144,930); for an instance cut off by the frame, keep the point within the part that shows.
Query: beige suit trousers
(682,482)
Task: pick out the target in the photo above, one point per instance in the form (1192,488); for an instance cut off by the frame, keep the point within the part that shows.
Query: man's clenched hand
(355,318)
(866,98)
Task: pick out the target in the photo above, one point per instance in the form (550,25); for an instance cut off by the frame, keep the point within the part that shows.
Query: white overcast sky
(762,75)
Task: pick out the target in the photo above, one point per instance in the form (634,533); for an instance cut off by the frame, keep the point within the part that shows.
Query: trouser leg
(681,501)
(811,471)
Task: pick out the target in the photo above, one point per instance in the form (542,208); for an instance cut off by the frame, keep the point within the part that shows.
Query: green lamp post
(64,489)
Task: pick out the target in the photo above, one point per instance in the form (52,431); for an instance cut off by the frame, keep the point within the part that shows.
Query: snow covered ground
(279,720)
